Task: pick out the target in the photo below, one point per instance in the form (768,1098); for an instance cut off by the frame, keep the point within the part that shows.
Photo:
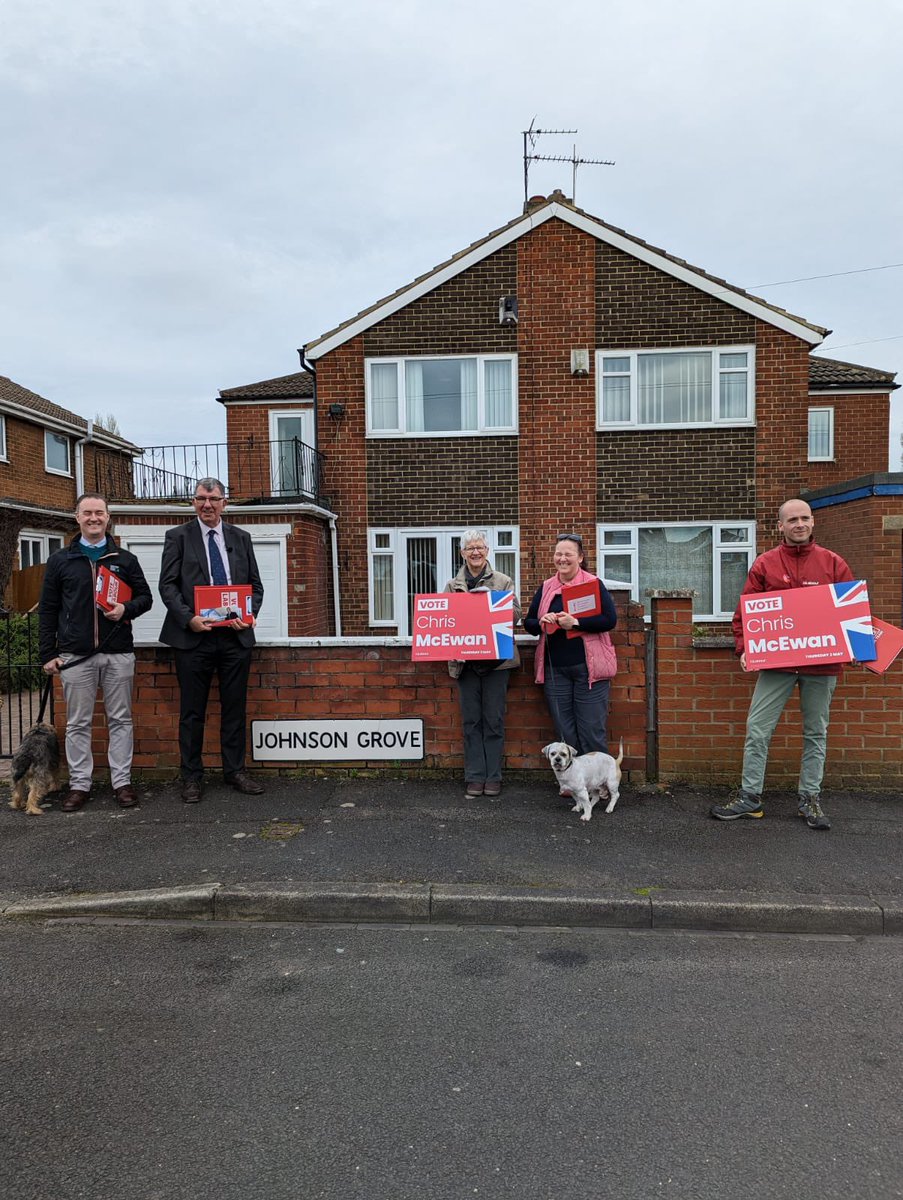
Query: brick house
(48,456)
(557,374)
(563,374)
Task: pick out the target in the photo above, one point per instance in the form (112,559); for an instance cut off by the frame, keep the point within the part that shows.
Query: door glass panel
(420,555)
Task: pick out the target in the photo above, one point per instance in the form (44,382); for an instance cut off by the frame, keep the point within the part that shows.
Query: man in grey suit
(202,553)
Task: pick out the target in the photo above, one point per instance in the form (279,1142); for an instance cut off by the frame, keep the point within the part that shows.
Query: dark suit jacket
(184,567)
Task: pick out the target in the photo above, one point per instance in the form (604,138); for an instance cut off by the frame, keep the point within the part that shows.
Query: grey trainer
(813,813)
(744,804)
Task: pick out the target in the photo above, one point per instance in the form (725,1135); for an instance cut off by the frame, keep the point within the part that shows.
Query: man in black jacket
(203,553)
(73,627)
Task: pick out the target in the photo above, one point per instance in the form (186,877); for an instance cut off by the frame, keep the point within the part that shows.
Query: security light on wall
(580,363)
(507,310)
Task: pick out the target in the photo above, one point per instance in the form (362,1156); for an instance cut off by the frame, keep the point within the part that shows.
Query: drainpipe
(80,444)
(307,365)
(336,601)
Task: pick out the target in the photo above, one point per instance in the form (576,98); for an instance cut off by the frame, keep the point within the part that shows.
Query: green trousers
(773,690)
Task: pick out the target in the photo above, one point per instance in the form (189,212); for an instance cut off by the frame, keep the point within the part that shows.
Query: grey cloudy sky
(194,188)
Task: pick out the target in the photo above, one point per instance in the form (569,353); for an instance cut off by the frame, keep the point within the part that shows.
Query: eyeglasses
(210,499)
(570,537)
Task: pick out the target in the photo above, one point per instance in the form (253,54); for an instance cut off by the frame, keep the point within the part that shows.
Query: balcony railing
(251,470)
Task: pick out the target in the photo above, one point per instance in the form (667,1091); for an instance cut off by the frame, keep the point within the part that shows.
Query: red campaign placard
(220,604)
(581,600)
(808,626)
(466,626)
(111,589)
(888,644)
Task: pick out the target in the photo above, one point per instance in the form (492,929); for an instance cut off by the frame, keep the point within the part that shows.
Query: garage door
(146,543)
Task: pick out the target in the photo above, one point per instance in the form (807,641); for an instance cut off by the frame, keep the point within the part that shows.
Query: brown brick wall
(639,306)
(340,380)
(24,476)
(442,481)
(782,424)
(855,530)
(556,291)
(309,580)
(860,437)
(460,317)
(673,475)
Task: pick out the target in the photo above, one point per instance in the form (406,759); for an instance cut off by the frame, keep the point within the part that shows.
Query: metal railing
(251,470)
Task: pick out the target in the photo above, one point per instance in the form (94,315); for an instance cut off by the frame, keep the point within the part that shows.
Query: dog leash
(47,686)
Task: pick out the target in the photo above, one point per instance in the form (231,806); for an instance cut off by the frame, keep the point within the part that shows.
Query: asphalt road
(161,1062)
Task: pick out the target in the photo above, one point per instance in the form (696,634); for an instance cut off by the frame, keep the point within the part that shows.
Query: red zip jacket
(792,567)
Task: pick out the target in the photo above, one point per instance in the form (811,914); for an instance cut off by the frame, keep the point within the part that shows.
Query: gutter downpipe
(334,544)
(307,365)
(80,444)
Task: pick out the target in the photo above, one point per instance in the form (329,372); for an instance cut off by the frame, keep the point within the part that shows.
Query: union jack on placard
(854,592)
(502,605)
(860,638)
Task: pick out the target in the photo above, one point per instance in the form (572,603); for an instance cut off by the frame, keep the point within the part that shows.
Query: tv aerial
(530,136)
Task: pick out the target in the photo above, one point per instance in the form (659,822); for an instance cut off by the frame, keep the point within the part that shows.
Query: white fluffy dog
(586,776)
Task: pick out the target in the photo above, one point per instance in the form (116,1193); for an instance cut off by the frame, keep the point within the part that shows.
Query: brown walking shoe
(74,800)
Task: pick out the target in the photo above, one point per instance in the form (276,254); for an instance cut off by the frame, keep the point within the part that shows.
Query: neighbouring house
(48,456)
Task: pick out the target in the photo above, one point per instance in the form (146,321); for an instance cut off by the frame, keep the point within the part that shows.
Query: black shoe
(191,791)
(242,782)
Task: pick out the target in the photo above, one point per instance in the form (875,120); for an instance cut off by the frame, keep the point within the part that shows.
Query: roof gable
(559,209)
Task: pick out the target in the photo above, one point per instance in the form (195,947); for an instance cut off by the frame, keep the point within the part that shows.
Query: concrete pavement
(355,849)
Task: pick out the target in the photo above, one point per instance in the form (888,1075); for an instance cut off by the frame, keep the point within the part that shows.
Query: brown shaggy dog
(35,768)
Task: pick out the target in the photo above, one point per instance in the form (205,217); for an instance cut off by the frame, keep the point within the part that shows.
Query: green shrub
(20,663)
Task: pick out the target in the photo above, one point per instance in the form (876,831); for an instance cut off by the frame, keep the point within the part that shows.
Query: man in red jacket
(796,562)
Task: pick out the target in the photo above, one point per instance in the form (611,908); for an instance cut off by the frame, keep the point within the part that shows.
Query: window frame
(396,541)
(718,371)
(41,538)
(401,431)
(52,433)
(719,548)
(4,448)
(820,408)
(275,416)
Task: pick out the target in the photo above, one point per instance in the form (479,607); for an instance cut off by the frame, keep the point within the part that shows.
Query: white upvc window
(36,547)
(57,458)
(712,559)
(442,396)
(3,451)
(292,451)
(821,435)
(404,563)
(661,389)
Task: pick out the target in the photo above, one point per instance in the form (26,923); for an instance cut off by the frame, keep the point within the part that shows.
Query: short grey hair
(473,535)
(209,484)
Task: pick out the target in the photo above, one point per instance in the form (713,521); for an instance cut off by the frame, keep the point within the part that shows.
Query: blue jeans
(580,712)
